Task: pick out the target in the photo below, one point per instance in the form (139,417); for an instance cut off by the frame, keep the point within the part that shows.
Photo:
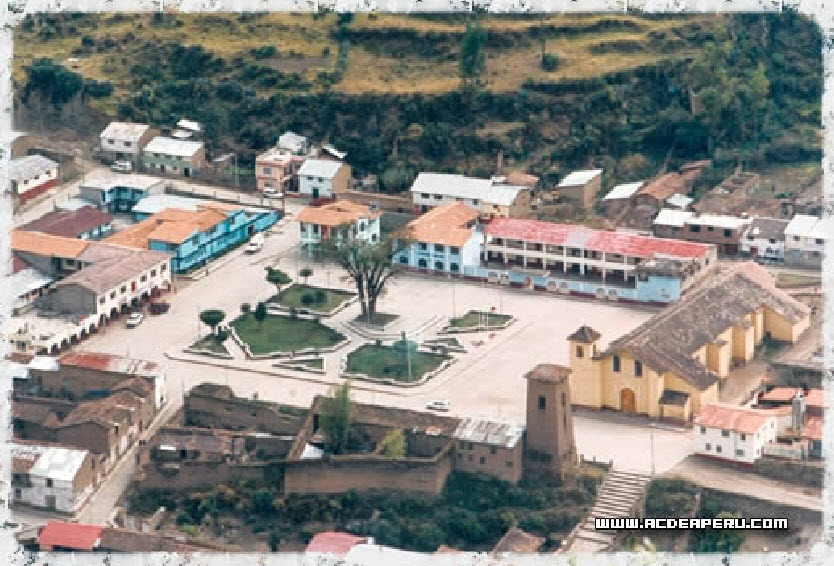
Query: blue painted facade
(236,229)
(441,258)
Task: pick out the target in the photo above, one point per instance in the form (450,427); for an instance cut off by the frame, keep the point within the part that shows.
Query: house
(443,240)
(764,239)
(619,197)
(380,201)
(338,544)
(294,143)
(692,170)
(118,192)
(154,204)
(723,231)
(187,129)
(569,258)
(580,188)
(178,157)
(342,220)
(670,223)
(277,169)
(521,179)
(83,375)
(656,191)
(732,433)
(670,366)
(51,477)
(679,201)
(58,536)
(484,444)
(193,237)
(85,223)
(323,178)
(31,176)
(125,140)
(330,152)
(26,284)
(805,238)
(491,198)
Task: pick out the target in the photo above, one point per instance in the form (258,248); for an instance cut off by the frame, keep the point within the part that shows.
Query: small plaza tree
(212,318)
(277,277)
(305,273)
(260,313)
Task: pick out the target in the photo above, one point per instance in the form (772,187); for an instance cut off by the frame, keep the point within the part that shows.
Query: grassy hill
(386,88)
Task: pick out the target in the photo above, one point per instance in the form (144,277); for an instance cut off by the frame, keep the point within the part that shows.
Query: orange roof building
(444,239)
(343,220)
(734,433)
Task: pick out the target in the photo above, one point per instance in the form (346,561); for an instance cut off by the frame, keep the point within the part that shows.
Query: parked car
(438,405)
(159,307)
(256,243)
(122,166)
(135,319)
(272,193)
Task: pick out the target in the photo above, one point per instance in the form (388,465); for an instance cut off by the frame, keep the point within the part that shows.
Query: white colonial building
(323,178)
(733,433)
(765,239)
(805,238)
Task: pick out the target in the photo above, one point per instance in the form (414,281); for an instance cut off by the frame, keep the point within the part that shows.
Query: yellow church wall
(743,343)
(781,328)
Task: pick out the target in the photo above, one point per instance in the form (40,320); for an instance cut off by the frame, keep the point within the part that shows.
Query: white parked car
(272,193)
(122,166)
(438,405)
(135,319)
(254,246)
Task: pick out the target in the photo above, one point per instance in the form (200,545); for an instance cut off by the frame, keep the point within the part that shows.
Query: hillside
(622,90)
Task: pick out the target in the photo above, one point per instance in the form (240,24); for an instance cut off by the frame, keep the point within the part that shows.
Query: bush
(550,62)
(245,308)
(262,502)
(264,51)
(308,299)
(320,296)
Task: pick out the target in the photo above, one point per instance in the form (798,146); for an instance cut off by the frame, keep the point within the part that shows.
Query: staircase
(619,495)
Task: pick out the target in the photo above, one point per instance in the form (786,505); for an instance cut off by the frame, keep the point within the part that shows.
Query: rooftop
(171,226)
(205,441)
(661,188)
(111,363)
(459,186)
(70,535)
(813,397)
(522,179)
(624,191)
(577,236)
(551,373)
(153,204)
(324,168)
(124,131)
(46,245)
(667,341)
(69,224)
(807,226)
(449,225)
(483,431)
(327,148)
(718,221)
(516,540)
(812,428)
(334,543)
(678,200)
(171,146)
(670,217)
(106,180)
(49,462)
(107,411)
(580,177)
(28,167)
(27,280)
(336,213)
(111,266)
(292,141)
(767,228)
(585,335)
(732,417)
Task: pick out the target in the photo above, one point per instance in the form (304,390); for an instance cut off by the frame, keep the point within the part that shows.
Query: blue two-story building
(443,240)
(118,192)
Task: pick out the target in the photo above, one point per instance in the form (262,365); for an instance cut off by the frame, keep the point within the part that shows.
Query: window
(462,445)
(111,142)
(423,247)
(153,272)
(403,259)
(638,368)
(454,250)
(195,240)
(471,458)
(438,197)
(615,363)
(728,233)
(542,403)
(710,228)
(143,278)
(128,144)
(267,170)
(18,494)
(796,238)
(454,267)
(163,268)
(493,450)
(579,352)
(475,201)
(718,449)
(725,433)
(438,265)
(113,295)
(70,262)
(425,195)
(819,241)
(703,430)
(482,460)
(439,248)
(739,452)
(743,437)
(694,228)
(509,463)
(101,300)
(123,290)
(564,400)
(708,447)
(48,482)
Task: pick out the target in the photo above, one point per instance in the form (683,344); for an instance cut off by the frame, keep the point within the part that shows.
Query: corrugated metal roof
(105,180)
(171,146)
(69,224)
(189,125)
(110,362)
(680,201)
(718,221)
(50,462)
(670,217)
(320,168)
(459,186)
(292,141)
(624,191)
(27,280)
(24,168)
(124,131)
(484,431)
(803,225)
(579,177)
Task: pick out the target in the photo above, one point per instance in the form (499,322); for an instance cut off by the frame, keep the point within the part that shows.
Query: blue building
(193,237)
(118,192)
(443,240)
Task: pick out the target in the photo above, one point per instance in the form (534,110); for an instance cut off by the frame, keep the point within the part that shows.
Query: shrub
(308,299)
(190,530)
(245,308)
(550,62)
(264,51)
(320,296)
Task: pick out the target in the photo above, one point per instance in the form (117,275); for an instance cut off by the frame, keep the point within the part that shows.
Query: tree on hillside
(472,58)
(336,417)
(212,318)
(277,277)
(370,265)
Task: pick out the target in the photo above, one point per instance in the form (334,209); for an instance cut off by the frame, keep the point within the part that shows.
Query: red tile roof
(596,240)
(334,543)
(732,417)
(812,428)
(813,397)
(69,535)
(69,223)
(108,362)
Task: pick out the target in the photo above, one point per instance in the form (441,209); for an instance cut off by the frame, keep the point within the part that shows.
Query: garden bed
(314,300)
(313,365)
(477,321)
(284,335)
(209,346)
(451,344)
(390,364)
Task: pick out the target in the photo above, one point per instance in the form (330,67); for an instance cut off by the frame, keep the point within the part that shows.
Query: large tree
(336,417)
(212,318)
(277,277)
(370,265)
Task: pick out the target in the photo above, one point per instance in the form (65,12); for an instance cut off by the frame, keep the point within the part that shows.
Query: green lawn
(317,363)
(387,362)
(211,344)
(451,342)
(283,334)
(475,318)
(323,300)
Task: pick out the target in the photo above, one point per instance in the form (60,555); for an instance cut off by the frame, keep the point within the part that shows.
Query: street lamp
(651,439)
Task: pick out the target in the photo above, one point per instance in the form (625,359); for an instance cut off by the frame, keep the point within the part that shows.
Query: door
(315,193)
(627,401)
(186,172)
(50,502)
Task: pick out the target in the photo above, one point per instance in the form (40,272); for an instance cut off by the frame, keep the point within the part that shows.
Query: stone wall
(237,413)
(205,475)
(810,473)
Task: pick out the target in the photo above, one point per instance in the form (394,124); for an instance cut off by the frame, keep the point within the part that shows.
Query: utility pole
(651,438)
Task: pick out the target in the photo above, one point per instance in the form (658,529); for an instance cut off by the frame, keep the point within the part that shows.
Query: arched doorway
(627,400)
